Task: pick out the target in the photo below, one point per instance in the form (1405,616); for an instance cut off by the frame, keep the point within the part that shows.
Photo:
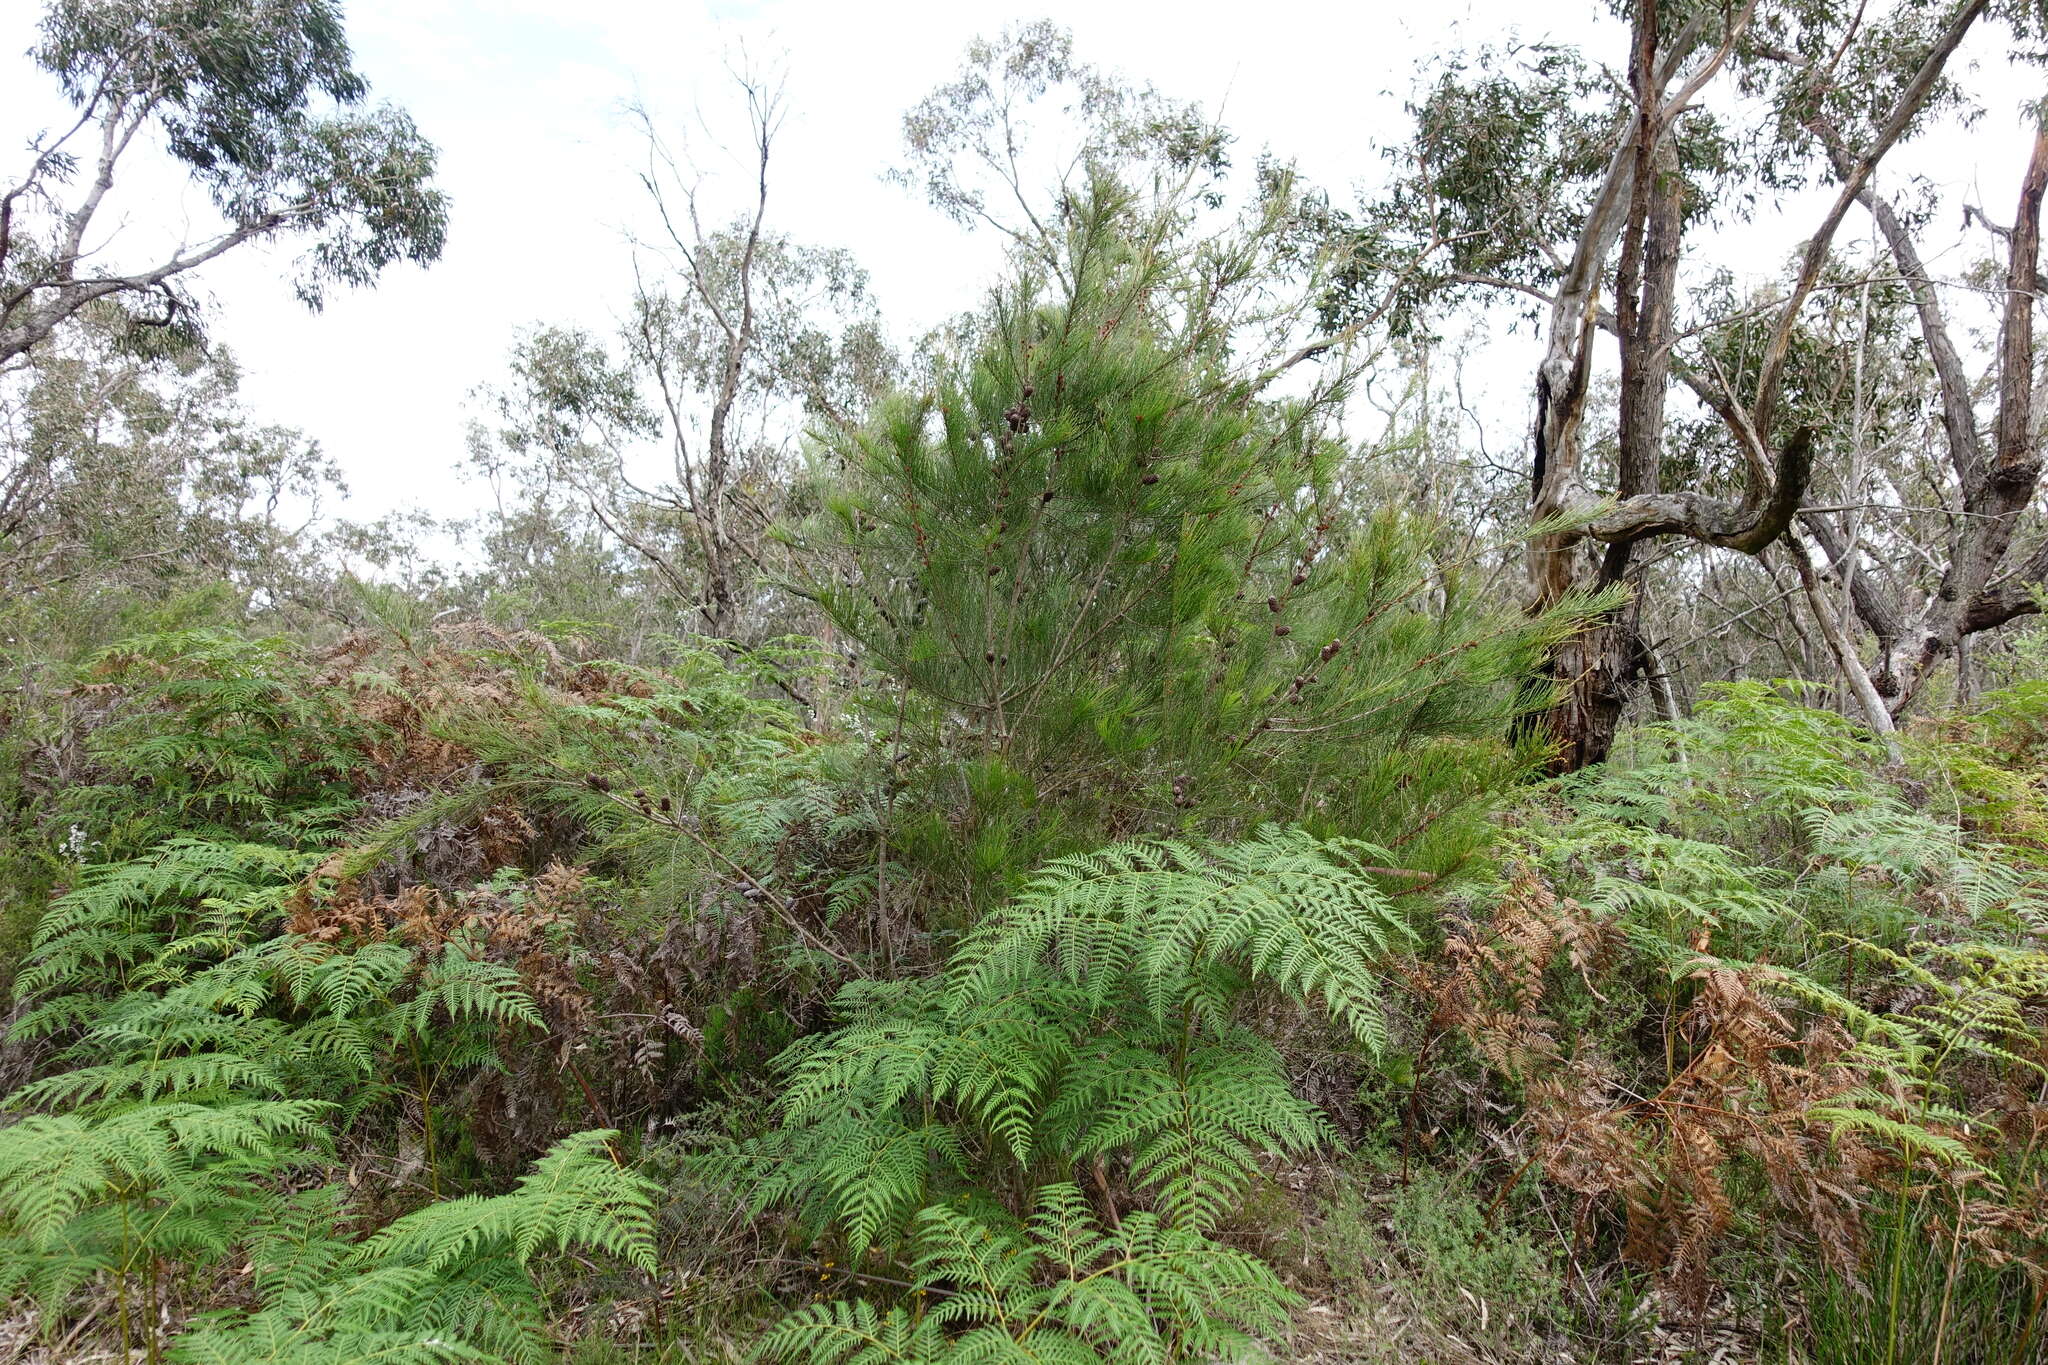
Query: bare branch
(1908,105)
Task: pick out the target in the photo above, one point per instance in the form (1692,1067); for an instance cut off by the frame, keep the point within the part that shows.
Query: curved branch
(1747,527)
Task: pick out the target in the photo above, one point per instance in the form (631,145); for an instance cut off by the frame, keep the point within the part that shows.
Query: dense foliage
(1056,848)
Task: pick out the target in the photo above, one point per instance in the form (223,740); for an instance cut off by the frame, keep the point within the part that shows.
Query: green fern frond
(577,1194)
(1139,1292)
(1195,1126)
(851,1334)
(53,1168)
(1296,910)
(466,988)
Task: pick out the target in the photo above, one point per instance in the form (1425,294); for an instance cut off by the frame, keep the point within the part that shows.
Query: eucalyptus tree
(1534,180)
(745,339)
(1990,423)
(260,104)
(560,421)
(127,480)
(677,440)
(1024,128)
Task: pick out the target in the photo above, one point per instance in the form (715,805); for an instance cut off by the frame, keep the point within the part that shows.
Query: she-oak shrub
(1107,583)
(1113,600)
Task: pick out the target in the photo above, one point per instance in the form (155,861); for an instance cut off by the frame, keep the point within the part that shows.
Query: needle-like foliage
(1107,562)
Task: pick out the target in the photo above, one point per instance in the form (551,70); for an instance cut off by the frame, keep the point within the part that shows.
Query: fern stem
(1507,1188)
(121,1283)
(2019,1352)
(1411,1112)
(887,831)
(427,1119)
(864,1277)
(781,907)
(152,1346)
(1891,1336)
(1948,1289)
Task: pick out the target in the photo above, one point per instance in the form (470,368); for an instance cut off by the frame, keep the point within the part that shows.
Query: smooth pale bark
(1997,485)
(1639,209)
(707,477)
(1875,713)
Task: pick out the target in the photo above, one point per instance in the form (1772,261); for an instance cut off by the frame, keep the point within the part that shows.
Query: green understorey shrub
(1102,574)
(1449,1247)
(1423,1245)
(352,947)
(1175,752)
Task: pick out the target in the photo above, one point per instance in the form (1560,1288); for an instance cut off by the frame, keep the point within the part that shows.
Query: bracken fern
(1060,1290)
(1092,1019)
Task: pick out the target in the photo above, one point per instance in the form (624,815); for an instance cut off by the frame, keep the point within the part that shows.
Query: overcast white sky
(524,98)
